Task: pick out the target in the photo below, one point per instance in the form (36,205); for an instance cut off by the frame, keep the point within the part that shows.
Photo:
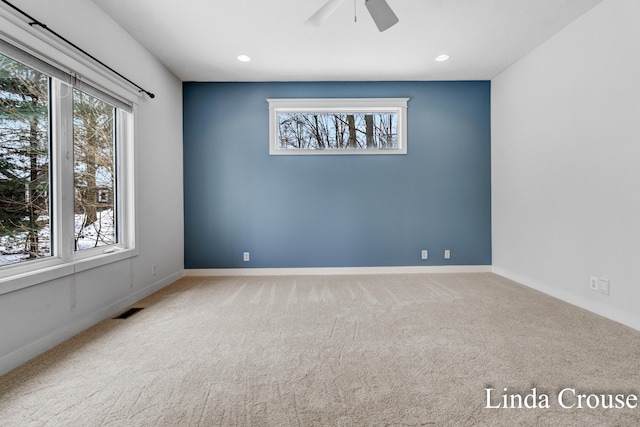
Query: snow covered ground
(99,233)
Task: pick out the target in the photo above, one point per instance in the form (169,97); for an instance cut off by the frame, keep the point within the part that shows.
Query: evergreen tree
(24,155)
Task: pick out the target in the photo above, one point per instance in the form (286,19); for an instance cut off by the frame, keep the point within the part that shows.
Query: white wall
(36,318)
(566,163)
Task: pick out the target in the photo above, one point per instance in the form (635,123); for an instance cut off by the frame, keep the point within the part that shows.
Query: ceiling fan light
(382,14)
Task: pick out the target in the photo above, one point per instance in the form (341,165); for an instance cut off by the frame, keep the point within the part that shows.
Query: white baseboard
(612,313)
(313,271)
(35,348)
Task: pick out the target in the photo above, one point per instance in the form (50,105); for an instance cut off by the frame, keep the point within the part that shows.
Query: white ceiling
(199,40)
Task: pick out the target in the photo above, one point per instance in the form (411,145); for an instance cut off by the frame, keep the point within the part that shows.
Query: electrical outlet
(593,283)
(447,254)
(424,254)
(153,269)
(246,257)
(603,284)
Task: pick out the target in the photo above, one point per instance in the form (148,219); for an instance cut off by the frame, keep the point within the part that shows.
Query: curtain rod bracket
(151,95)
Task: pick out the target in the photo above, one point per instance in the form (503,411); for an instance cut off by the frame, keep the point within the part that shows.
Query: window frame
(337,105)
(65,260)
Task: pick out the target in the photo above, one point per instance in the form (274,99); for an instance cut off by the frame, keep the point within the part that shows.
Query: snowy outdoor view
(317,131)
(26,166)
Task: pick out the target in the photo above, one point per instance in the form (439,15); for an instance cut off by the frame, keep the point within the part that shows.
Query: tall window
(66,166)
(94,148)
(25,228)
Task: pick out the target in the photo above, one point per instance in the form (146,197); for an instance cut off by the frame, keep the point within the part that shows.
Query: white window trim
(67,262)
(337,105)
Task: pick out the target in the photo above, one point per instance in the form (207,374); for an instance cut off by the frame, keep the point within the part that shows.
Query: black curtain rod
(35,22)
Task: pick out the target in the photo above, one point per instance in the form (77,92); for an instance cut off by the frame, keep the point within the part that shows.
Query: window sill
(47,274)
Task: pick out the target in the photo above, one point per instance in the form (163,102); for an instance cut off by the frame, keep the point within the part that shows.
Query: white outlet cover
(424,254)
(594,283)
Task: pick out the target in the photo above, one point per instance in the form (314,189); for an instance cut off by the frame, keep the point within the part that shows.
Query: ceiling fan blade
(324,12)
(382,14)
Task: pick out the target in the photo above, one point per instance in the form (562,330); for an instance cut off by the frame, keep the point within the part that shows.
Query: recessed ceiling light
(442,58)
(244,58)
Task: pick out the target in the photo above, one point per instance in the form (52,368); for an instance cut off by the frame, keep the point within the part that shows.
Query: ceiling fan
(379,10)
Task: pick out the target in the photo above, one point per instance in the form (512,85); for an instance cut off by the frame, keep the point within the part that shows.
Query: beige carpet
(401,350)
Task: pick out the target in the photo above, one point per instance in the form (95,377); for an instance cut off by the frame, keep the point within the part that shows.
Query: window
(25,229)
(338,126)
(94,147)
(66,167)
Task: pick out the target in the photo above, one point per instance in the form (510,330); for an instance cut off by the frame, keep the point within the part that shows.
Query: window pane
(319,131)
(94,148)
(25,232)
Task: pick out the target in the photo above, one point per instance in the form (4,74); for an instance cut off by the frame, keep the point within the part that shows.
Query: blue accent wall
(336,210)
